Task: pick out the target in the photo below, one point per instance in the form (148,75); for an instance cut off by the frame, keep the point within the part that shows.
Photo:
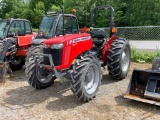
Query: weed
(143,56)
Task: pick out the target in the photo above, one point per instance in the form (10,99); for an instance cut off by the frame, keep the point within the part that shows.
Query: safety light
(73,61)
(114,30)
(43,33)
(74,10)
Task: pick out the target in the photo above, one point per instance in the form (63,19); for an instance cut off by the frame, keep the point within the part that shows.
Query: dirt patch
(19,101)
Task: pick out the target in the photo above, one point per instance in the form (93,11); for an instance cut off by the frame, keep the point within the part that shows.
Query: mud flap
(3,66)
(144,86)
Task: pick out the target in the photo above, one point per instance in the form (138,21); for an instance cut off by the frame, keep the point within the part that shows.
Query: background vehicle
(15,39)
(60,49)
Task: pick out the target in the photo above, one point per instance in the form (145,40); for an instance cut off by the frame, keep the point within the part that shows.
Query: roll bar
(111,19)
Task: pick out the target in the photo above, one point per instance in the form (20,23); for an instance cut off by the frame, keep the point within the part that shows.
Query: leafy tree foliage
(7,6)
(127,12)
(37,14)
(17,10)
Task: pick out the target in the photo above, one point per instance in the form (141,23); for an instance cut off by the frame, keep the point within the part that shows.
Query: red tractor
(15,39)
(60,49)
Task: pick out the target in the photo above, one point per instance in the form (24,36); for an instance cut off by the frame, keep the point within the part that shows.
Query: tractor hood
(62,39)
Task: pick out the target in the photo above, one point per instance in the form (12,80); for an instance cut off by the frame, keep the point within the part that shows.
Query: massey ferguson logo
(78,40)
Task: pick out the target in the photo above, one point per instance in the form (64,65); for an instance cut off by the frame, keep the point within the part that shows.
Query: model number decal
(78,40)
(81,39)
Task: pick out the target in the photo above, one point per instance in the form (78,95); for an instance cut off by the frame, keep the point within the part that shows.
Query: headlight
(57,46)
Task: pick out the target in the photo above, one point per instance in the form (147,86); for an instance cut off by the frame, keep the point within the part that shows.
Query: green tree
(127,12)
(18,10)
(142,13)
(47,4)
(80,8)
(7,6)
(37,14)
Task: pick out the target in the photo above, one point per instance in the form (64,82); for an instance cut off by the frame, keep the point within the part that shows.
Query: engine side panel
(73,48)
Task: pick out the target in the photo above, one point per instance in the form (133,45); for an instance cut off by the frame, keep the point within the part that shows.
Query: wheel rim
(91,79)
(16,62)
(125,60)
(43,75)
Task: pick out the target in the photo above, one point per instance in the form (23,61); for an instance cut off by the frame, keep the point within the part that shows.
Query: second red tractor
(15,38)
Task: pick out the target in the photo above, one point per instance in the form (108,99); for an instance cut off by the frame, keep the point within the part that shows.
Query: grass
(144,56)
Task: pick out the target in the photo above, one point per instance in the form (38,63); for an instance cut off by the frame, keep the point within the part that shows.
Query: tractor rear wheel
(17,64)
(119,59)
(37,77)
(86,78)
(156,63)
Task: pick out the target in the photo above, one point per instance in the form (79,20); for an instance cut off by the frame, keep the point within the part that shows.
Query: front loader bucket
(2,72)
(144,86)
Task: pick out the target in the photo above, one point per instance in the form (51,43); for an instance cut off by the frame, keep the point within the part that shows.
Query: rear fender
(107,47)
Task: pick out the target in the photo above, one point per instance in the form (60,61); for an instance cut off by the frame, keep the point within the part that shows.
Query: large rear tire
(37,77)
(156,63)
(119,59)
(86,78)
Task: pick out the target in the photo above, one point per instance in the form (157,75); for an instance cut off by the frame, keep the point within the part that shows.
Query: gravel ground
(19,101)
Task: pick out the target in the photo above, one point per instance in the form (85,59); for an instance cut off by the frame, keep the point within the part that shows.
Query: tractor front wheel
(86,78)
(37,77)
(119,59)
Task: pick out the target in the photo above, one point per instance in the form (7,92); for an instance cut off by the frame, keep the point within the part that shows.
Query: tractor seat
(98,37)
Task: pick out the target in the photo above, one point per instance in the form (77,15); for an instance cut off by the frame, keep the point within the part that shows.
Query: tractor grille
(56,56)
